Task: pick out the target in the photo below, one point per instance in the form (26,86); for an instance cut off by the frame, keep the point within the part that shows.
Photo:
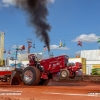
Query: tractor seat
(31,61)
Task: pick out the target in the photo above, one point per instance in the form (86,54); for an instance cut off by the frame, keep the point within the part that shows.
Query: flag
(60,45)
(45,48)
(64,45)
(29,44)
(79,43)
(98,40)
(33,45)
(4,51)
(23,47)
(9,52)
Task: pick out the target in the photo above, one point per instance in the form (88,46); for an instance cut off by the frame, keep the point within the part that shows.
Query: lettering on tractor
(39,72)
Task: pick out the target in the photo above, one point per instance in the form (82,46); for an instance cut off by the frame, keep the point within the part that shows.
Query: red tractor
(40,72)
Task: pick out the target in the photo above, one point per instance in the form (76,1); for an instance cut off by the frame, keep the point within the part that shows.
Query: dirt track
(53,91)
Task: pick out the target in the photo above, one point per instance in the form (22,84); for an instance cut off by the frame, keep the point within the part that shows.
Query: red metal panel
(5,72)
(54,64)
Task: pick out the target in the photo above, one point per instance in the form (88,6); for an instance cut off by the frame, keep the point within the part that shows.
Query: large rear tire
(31,76)
(44,82)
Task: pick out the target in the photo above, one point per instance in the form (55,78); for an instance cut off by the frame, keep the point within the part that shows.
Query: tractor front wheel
(31,76)
(64,73)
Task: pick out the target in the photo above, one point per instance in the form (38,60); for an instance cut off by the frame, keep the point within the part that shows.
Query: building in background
(92,60)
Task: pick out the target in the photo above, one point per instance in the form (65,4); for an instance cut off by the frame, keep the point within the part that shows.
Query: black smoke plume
(37,12)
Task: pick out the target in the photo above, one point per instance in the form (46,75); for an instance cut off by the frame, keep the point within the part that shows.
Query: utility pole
(2,34)
(29,41)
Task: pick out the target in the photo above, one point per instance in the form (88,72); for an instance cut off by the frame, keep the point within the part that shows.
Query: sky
(71,21)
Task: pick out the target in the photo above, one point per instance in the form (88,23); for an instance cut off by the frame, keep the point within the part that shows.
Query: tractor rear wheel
(44,82)
(31,76)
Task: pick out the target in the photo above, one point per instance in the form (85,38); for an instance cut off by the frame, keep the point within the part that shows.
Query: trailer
(39,72)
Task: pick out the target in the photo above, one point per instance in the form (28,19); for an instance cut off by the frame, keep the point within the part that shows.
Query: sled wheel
(31,76)
(44,82)
(73,75)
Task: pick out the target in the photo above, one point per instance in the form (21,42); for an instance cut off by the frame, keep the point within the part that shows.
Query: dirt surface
(53,91)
